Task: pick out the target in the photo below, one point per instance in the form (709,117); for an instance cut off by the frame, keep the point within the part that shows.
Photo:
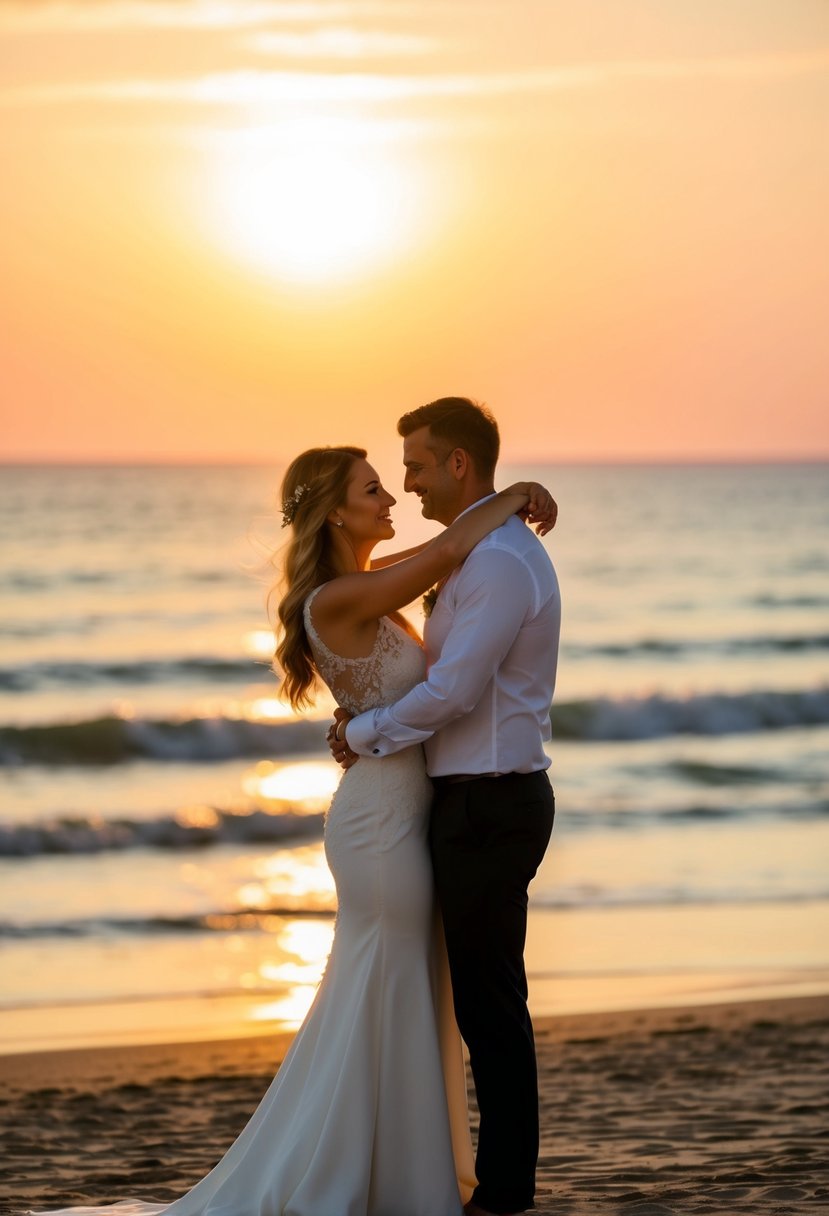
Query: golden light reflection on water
(296,872)
(268,709)
(288,973)
(257,709)
(197,816)
(289,1009)
(259,643)
(308,942)
(252,895)
(273,708)
(308,786)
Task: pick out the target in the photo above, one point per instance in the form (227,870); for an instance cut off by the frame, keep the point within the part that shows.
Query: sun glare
(290,1009)
(306,784)
(319,203)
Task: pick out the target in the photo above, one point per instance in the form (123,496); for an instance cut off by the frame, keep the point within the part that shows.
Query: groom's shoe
(472,1209)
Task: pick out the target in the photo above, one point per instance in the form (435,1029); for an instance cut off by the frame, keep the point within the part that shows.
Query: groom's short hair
(459,422)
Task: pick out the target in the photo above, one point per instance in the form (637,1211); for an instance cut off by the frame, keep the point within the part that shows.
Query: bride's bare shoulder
(343,629)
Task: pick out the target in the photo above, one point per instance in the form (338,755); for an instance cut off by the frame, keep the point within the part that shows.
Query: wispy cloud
(759,67)
(263,87)
(338,42)
(122,15)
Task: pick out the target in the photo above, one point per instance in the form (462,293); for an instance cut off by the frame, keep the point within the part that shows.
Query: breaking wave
(34,677)
(654,717)
(194,827)
(113,739)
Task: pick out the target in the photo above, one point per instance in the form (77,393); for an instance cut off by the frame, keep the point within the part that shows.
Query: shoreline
(711,1109)
(207,1023)
(123,1063)
(579,962)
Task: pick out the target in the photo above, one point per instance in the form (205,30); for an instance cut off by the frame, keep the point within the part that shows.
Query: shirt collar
(477,503)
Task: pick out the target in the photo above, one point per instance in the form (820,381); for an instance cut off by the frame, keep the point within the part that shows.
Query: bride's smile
(364,517)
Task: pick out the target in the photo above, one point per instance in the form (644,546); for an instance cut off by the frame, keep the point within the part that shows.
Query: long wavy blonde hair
(309,560)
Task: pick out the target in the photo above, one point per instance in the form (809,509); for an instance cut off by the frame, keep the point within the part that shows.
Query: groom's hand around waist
(335,738)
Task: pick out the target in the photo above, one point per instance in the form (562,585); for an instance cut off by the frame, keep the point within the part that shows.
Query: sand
(707,1109)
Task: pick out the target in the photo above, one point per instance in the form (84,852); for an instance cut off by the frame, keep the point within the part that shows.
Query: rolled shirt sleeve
(494,595)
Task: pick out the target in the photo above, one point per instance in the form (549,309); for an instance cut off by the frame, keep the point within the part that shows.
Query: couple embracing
(367,1115)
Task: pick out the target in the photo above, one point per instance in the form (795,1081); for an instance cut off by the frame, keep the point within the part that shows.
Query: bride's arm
(541,509)
(380,563)
(368,595)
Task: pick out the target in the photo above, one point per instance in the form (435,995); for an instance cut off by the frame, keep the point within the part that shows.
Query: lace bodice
(395,665)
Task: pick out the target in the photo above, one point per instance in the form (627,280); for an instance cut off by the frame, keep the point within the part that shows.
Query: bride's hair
(315,483)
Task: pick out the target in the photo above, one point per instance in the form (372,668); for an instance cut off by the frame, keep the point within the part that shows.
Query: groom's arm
(494,595)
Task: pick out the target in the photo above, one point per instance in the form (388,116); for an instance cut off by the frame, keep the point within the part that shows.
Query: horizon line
(150,461)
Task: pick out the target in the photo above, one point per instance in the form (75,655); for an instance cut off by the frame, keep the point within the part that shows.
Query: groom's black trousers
(487,838)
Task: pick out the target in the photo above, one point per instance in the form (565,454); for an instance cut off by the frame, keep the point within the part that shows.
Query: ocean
(161,810)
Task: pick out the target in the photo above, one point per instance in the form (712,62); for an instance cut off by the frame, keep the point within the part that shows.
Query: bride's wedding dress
(367,1114)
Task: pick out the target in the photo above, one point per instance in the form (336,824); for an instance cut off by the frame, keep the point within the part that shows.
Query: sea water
(161,810)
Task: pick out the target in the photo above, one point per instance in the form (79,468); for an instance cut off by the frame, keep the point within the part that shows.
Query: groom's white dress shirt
(491,650)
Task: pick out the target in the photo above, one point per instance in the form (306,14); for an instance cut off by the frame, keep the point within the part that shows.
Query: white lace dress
(367,1114)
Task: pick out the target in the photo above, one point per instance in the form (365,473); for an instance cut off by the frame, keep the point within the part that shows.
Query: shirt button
(376,751)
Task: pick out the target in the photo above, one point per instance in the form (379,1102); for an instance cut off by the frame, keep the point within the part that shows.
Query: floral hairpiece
(290,505)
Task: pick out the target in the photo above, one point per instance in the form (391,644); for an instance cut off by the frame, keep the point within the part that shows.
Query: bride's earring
(338,522)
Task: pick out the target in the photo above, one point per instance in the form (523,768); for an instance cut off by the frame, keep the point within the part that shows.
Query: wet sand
(706,1109)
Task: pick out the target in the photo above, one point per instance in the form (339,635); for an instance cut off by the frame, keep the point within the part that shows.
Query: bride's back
(395,664)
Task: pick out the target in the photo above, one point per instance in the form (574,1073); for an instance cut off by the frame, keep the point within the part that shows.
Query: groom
(482,715)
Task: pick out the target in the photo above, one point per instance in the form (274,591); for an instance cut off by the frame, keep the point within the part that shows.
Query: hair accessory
(290,505)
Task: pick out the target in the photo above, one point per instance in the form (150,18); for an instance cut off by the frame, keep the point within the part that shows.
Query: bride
(367,1114)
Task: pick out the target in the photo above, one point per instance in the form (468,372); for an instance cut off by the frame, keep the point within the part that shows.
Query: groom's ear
(458,463)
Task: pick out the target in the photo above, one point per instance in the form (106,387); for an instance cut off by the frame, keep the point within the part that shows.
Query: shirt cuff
(362,737)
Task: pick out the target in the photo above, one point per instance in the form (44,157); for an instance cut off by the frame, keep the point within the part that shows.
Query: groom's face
(428,475)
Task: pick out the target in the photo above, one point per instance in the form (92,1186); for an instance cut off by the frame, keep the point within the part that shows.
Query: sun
(318,203)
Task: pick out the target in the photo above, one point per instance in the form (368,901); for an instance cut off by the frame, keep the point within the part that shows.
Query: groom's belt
(454,778)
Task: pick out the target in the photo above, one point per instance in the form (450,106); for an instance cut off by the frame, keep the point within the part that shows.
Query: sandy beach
(704,1109)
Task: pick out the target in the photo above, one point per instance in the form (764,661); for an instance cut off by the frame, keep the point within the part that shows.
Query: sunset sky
(233,230)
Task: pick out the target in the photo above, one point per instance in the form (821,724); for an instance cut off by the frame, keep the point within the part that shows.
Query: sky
(230,231)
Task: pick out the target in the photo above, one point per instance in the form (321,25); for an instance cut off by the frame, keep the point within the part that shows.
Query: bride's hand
(541,510)
(335,738)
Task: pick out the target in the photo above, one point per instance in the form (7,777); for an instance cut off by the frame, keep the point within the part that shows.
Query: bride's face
(365,512)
